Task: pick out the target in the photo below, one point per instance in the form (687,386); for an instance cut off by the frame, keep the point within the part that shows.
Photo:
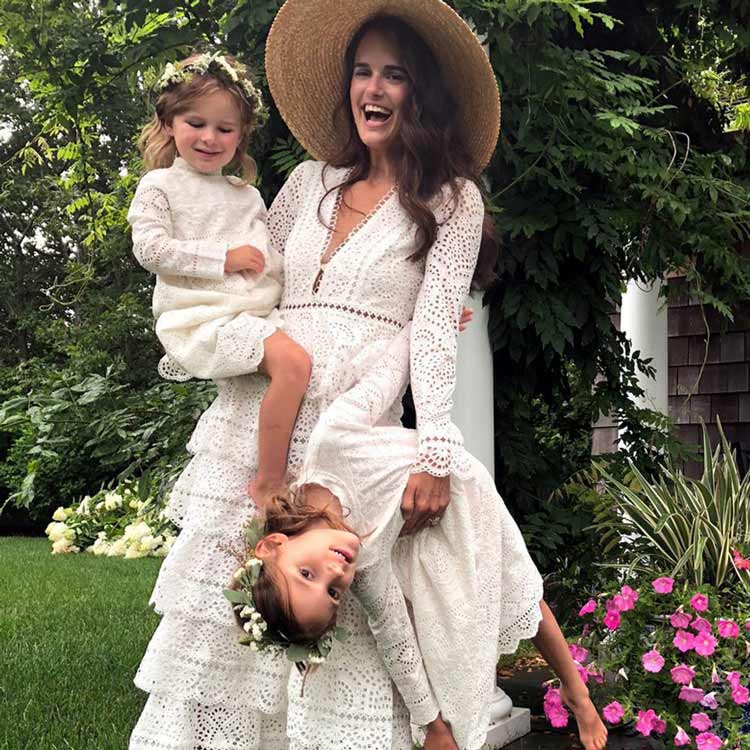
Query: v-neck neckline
(328,252)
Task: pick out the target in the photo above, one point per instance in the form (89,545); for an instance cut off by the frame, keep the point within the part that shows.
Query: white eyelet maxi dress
(472,587)
(207,692)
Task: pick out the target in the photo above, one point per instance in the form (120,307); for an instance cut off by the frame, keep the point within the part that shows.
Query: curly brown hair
(431,151)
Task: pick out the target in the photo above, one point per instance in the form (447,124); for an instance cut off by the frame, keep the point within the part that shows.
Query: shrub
(124,521)
(694,528)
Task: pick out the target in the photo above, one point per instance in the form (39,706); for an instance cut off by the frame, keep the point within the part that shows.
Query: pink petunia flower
(583,672)
(558,717)
(728,629)
(652,661)
(683,641)
(682,737)
(699,602)
(660,726)
(680,619)
(626,599)
(553,708)
(579,653)
(708,741)
(595,673)
(715,679)
(663,585)
(613,712)
(701,625)
(587,608)
(709,701)
(740,562)
(741,695)
(612,619)
(701,722)
(704,644)
(733,678)
(645,722)
(682,674)
(690,694)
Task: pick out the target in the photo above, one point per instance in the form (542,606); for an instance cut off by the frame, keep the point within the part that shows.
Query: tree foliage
(620,157)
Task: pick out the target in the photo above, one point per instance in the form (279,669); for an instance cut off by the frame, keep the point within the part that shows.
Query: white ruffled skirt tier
(209,693)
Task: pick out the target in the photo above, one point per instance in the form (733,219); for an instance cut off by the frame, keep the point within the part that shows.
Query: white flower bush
(115,522)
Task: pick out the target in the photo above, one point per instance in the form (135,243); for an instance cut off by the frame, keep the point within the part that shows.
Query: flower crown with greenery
(258,636)
(216,64)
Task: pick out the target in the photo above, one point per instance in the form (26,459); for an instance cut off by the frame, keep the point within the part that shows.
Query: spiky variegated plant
(689,526)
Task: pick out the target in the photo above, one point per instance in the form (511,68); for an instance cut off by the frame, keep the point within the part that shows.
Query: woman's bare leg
(289,367)
(552,645)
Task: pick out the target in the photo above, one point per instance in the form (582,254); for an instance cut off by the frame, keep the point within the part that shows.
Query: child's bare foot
(591,729)
(439,736)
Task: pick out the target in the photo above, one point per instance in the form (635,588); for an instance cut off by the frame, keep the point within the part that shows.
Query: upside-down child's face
(317,567)
(208,133)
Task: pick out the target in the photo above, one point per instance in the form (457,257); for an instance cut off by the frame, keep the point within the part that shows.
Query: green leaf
(237,597)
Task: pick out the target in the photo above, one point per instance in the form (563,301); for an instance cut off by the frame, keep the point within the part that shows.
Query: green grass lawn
(73,629)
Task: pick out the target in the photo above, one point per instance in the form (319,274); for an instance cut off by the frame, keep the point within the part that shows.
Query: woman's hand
(466,315)
(424,501)
(244,258)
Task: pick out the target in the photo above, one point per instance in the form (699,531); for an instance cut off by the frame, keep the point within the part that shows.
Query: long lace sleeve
(448,273)
(155,247)
(378,592)
(283,211)
(370,397)
(361,464)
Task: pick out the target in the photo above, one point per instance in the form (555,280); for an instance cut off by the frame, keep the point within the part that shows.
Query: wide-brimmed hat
(305,68)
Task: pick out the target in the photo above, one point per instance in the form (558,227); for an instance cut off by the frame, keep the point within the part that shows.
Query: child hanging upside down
(472,588)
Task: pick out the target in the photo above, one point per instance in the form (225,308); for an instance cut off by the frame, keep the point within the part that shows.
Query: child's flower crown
(258,636)
(218,65)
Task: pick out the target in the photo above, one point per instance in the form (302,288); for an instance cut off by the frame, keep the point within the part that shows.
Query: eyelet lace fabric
(211,324)
(472,587)
(204,694)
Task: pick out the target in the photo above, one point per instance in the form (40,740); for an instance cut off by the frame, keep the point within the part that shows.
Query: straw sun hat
(305,67)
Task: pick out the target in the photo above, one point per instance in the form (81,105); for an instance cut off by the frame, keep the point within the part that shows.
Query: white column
(473,414)
(643,318)
(473,401)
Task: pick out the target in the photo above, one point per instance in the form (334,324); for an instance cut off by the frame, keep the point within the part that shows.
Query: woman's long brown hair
(431,151)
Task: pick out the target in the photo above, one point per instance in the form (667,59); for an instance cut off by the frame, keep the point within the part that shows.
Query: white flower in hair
(218,64)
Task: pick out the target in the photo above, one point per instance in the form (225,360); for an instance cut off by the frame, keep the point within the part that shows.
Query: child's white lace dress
(210,323)
(206,691)
(472,587)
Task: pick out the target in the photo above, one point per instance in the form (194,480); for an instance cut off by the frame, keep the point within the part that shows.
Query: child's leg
(551,644)
(289,367)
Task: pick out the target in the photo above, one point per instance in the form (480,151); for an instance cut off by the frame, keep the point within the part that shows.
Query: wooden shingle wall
(709,375)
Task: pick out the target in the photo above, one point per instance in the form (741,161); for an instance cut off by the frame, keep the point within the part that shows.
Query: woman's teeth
(376,113)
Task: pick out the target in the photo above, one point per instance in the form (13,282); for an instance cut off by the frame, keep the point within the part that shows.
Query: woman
(371,241)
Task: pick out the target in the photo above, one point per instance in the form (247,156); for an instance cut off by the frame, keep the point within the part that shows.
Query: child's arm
(377,590)
(339,451)
(156,249)
(375,392)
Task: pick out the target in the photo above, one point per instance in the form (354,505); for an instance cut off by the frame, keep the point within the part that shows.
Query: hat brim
(305,68)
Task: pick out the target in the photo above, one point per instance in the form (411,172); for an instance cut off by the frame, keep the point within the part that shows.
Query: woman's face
(378,91)
(318,567)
